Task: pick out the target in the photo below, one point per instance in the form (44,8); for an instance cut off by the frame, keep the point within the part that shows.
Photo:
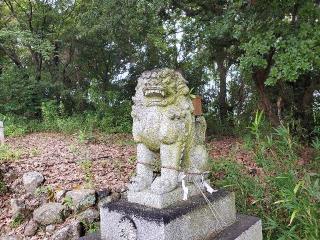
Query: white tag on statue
(207,186)
(184,188)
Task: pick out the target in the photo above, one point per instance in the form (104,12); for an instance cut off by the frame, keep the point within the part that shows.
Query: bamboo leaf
(296,188)
(293,215)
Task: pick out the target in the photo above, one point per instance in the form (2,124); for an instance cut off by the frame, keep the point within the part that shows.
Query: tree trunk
(222,100)
(259,78)
(303,101)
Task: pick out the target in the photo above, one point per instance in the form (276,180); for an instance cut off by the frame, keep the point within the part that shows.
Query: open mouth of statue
(155,95)
(154,92)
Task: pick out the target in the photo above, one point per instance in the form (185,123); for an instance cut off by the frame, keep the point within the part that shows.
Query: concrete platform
(245,228)
(185,220)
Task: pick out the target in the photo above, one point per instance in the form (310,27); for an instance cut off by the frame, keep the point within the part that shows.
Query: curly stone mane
(164,83)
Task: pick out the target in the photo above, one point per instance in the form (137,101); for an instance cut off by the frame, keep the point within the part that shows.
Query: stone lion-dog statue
(163,122)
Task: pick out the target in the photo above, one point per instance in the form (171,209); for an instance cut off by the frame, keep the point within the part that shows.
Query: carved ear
(182,88)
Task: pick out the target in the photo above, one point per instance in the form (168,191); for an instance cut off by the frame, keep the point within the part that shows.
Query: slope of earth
(63,160)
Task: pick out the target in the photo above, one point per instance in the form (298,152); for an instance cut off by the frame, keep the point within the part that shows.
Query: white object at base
(184,188)
(209,188)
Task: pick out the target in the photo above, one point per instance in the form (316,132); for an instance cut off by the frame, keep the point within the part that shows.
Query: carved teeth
(149,92)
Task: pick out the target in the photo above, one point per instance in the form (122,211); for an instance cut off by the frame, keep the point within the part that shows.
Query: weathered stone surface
(91,236)
(18,207)
(32,180)
(61,234)
(151,199)
(82,199)
(31,228)
(75,230)
(185,220)
(70,232)
(115,196)
(50,213)
(89,216)
(10,237)
(103,194)
(60,194)
(50,229)
(163,121)
(245,228)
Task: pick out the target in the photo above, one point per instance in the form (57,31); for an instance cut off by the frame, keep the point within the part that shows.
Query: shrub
(286,195)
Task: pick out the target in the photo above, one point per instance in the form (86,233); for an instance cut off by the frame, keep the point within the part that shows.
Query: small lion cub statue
(163,122)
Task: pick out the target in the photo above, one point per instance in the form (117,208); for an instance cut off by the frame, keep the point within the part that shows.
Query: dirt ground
(61,159)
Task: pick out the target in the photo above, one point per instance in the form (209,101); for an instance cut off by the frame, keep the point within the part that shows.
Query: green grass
(286,196)
(88,177)
(8,154)
(17,221)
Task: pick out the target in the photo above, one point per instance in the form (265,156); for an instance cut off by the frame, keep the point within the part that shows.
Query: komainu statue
(163,122)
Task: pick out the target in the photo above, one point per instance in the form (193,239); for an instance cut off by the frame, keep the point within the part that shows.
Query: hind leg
(198,163)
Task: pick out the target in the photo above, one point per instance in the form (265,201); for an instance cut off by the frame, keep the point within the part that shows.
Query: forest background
(72,65)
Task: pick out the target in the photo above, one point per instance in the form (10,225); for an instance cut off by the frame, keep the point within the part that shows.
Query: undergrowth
(111,120)
(8,154)
(285,195)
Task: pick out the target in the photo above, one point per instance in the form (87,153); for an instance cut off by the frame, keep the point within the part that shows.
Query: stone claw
(163,185)
(139,183)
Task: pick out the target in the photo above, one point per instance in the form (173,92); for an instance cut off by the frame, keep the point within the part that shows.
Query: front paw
(139,183)
(163,185)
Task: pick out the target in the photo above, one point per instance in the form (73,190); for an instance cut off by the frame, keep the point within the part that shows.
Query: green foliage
(8,154)
(285,195)
(3,187)
(46,191)
(61,61)
(17,126)
(117,119)
(18,92)
(17,221)
(316,146)
(68,202)
(86,167)
(49,112)
(85,136)
(91,227)
(299,198)
(256,125)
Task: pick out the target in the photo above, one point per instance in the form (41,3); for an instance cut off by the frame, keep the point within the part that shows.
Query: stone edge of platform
(167,214)
(245,228)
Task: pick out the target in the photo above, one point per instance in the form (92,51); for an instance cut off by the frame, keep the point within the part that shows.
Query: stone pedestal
(193,219)
(150,199)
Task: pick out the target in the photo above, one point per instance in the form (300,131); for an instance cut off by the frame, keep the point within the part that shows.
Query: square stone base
(150,199)
(245,228)
(193,219)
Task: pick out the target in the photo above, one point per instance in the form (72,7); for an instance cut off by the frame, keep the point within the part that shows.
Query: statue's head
(160,87)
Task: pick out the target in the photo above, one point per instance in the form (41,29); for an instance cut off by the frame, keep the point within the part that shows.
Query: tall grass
(286,195)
